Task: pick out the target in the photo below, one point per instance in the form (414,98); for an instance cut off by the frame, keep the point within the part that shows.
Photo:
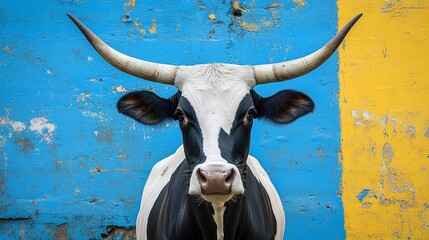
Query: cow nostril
(230,176)
(202,176)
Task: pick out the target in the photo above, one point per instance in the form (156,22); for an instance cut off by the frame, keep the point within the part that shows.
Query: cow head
(215,106)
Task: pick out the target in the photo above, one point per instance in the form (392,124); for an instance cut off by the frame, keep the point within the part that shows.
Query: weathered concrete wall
(71,167)
(385,120)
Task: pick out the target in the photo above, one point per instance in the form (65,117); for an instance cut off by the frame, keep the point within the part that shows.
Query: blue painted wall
(72,167)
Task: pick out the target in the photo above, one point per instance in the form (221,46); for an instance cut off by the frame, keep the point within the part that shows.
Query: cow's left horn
(143,69)
(277,72)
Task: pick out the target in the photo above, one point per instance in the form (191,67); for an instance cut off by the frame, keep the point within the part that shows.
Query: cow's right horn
(155,72)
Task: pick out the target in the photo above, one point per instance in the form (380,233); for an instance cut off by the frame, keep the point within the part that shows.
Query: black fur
(284,106)
(147,107)
(191,134)
(234,146)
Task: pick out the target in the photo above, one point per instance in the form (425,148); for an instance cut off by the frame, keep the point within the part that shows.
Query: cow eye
(252,113)
(179,115)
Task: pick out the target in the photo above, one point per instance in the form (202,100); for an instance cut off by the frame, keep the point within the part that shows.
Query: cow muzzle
(216,181)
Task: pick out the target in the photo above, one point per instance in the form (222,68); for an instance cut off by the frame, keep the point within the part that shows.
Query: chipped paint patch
(42,127)
(212,17)
(365,117)
(104,134)
(129,6)
(8,49)
(237,7)
(152,29)
(126,18)
(98,169)
(411,131)
(251,27)
(366,193)
(298,4)
(96,115)
(398,182)
(387,155)
(39,125)
(130,3)
(84,98)
(137,24)
(118,232)
(142,32)
(17,126)
(119,89)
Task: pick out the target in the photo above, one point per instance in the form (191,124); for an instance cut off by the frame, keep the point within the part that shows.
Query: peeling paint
(84,98)
(129,6)
(104,134)
(119,232)
(366,193)
(118,89)
(237,7)
(8,49)
(251,27)
(61,232)
(126,18)
(365,117)
(18,126)
(387,154)
(152,29)
(366,205)
(299,4)
(96,115)
(98,169)
(398,182)
(42,127)
(212,17)
(411,131)
(137,25)
(142,32)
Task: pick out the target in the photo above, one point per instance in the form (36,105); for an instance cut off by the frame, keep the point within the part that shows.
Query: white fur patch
(219,210)
(276,203)
(159,176)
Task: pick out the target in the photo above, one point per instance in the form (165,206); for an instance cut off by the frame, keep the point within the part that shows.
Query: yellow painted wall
(384,97)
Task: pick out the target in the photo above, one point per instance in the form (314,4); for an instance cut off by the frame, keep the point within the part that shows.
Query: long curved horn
(277,72)
(155,72)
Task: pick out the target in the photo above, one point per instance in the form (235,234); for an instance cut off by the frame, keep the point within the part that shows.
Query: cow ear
(284,106)
(147,107)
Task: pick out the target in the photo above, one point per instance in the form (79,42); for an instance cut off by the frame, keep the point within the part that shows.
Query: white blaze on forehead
(215,92)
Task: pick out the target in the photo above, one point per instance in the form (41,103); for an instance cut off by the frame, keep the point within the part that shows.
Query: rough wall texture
(385,120)
(71,167)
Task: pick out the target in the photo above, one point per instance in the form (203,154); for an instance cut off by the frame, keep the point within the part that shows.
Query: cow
(211,188)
